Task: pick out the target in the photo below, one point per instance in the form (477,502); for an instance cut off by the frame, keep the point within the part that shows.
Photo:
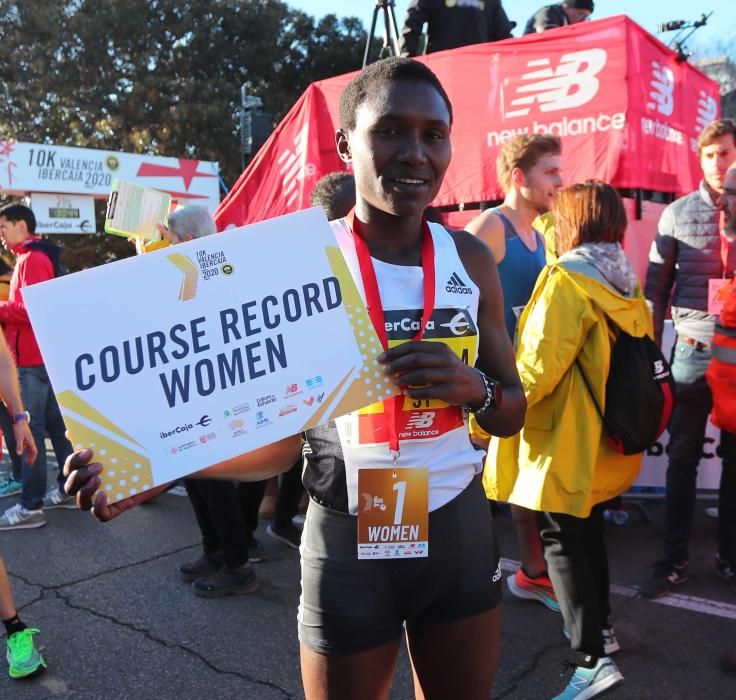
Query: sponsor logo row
(237,420)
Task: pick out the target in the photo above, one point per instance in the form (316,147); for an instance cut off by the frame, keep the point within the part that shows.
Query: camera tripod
(390,33)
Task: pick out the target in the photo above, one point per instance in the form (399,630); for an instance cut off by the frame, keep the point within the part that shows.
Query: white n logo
(662,89)
(571,84)
(422,420)
(707,111)
(293,166)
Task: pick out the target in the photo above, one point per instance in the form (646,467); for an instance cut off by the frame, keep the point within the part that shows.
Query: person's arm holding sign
(10,393)
(83,475)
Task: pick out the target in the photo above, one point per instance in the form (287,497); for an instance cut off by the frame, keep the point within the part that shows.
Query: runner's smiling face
(400,147)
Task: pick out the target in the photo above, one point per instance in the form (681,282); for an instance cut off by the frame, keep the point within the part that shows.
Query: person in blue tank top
(528,168)
(529,171)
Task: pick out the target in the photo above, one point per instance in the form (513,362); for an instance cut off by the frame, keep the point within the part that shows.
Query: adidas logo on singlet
(455,285)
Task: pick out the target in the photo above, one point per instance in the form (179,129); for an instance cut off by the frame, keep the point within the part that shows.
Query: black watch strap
(493,396)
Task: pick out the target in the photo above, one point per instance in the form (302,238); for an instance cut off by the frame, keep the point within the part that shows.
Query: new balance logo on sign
(421,420)
(662,94)
(572,83)
(455,285)
(293,166)
(707,111)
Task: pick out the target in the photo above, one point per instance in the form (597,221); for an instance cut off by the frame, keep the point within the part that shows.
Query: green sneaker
(23,657)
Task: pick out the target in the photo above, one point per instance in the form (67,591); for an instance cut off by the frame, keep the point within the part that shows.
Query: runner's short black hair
(20,212)
(381,73)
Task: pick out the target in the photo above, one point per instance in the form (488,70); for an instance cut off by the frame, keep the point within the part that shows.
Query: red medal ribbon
(392,406)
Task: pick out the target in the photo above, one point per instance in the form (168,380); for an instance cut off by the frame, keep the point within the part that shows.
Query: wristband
(18,417)
(493,398)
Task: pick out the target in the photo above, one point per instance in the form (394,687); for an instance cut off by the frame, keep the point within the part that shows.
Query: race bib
(393,515)
(717,294)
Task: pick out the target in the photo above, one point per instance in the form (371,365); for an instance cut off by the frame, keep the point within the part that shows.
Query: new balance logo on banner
(707,111)
(293,166)
(571,84)
(455,285)
(662,89)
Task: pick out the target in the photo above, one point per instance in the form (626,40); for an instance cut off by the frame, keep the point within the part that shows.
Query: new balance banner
(627,112)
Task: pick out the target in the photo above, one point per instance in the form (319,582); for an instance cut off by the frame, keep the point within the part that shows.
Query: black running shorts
(350,605)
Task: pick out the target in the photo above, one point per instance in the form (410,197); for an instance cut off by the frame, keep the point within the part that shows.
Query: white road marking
(673,600)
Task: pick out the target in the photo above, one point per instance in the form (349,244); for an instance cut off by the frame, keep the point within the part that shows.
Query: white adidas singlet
(432,434)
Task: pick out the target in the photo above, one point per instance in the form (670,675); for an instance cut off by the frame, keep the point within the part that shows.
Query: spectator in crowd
(723,367)
(10,481)
(560,15)
(689,251)
(224,513)
(562,465)
(24,658)
(335,193)
(37,261)
(721,372)
(22,655)
(528,169)
(354,614)
(453,24)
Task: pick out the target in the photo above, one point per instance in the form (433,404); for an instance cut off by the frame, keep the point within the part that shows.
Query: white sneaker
(610,643)
(56,498)
(18,518)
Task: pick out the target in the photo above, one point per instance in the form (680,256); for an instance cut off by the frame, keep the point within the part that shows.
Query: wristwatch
(494,396)
(18,417)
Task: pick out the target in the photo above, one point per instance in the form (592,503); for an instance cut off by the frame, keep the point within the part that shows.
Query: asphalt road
(117,622)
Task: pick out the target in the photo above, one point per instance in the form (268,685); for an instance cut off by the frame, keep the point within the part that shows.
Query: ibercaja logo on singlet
(423,419)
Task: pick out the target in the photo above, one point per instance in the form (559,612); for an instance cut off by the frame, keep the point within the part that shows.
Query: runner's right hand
(83,479)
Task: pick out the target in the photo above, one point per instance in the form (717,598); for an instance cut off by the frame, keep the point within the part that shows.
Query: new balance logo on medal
(455,285)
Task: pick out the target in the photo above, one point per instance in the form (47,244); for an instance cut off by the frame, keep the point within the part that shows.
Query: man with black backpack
(692,255)
(37,261)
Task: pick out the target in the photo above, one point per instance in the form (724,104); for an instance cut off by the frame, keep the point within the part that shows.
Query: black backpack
(640,394)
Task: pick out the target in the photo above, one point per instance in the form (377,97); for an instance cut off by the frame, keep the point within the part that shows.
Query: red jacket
(721,372)
(31,266)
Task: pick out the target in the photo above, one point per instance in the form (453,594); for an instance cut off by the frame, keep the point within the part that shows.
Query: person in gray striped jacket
(688,252)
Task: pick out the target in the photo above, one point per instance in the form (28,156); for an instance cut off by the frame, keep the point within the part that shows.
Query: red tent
(627,111)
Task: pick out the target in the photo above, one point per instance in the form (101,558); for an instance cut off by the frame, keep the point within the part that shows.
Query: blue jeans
(40,402)
(6,425)
(687,430)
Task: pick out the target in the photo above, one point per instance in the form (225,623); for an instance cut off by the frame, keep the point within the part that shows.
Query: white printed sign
(255,334)
(63,213)
(32,167)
